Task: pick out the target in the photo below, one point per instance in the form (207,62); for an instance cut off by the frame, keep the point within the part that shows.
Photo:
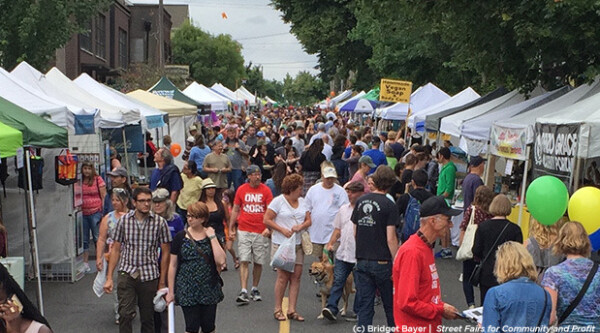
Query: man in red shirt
(417,296)
(249,207)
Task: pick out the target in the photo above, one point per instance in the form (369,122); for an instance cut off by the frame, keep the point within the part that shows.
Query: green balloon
(547,199)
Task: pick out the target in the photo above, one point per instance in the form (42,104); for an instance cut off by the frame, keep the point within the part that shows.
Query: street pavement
(73,307)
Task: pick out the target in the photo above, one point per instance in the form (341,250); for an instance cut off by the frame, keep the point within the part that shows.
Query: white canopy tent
(478,128)
(335,100)
(420,99)
(23,95)
(526,121)
(221,89)
(246,96)
(204,95)
(149,114)
(126,115)
(453,124)
(417,121)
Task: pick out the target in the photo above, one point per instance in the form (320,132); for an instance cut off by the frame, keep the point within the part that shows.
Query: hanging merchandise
(65,168)
(37,170)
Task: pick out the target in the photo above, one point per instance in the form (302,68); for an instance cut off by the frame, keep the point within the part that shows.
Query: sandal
(278,315)
(295,316)
(237,263)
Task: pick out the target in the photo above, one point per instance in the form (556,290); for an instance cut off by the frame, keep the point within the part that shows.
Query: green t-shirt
(446,180)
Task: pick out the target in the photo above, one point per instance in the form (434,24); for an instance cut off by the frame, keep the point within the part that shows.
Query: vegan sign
(395,91)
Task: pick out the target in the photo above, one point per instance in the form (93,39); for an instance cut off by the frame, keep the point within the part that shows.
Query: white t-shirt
(287,216)
(327,151)
(347,249)
(323,205)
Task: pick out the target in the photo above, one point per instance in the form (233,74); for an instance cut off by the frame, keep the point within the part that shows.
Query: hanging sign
(395,91)
(133,134)
(555,149)
(509,142)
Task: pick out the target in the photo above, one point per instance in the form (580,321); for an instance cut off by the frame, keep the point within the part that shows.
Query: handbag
(465,251)
(65,168)
(475,277)
(581,293)
(211,263)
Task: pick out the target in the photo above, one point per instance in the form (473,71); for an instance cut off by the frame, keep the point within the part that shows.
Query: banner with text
(509,142)
(395,91)
(555,150)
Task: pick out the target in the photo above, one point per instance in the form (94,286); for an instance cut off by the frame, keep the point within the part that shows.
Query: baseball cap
(375,140)
(191,139)
(118,172)
(160,195)
(252,169)
(321,127)
(367,160)
(260,134)
(193,128)
(437,205)
(476,161)
(208,183)
(160,304)
(329,172)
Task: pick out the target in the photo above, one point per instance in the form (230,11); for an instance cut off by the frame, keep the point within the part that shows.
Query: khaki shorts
(318,249)
(253,247)
(299,253)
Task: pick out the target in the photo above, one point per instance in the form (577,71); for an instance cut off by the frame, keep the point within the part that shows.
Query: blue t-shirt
(198,154)
(347,152)
(378,158)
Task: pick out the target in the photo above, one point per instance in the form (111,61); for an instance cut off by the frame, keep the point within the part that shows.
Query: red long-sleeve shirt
(417,295)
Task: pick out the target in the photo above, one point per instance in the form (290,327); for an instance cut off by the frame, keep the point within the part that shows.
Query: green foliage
(32,30)
(212,59)
(304,89)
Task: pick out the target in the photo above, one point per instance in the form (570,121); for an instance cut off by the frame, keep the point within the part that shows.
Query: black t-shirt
(396,190)
(405,178)
(372,214)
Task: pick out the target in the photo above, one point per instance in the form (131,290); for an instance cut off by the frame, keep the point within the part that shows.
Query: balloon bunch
(547,200)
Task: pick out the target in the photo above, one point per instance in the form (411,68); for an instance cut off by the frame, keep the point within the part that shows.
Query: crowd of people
(369,204)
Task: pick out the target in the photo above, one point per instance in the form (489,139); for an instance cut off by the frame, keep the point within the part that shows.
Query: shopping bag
(100,279)
(465,251)
(285,256)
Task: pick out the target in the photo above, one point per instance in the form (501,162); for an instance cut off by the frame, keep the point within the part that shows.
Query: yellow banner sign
(395,91)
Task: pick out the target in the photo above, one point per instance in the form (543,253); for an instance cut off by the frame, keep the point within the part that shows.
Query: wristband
(211,237)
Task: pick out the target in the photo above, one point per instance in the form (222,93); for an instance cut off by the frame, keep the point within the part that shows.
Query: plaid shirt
(139,244)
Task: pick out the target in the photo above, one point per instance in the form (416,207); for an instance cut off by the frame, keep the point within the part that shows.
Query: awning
(10,140)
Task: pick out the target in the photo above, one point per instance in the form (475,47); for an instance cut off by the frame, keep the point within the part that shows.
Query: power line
(263,36)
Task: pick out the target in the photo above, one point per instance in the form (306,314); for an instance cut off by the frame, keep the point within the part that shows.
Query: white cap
(329,172)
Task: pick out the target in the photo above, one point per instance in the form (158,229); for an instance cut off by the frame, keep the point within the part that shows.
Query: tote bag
(465,251)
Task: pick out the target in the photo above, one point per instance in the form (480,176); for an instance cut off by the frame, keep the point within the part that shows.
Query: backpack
(412,218)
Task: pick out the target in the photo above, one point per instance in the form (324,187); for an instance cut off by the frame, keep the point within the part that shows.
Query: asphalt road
(73,307)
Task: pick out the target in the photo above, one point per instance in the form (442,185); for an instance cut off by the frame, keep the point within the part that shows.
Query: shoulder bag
(544,309)
(307,246)
(475,277)
(211,261)
(465,251)
(581,293)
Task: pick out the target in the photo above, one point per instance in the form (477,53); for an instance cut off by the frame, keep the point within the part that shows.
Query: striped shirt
(139,243)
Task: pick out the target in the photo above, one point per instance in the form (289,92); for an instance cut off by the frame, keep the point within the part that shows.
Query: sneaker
(350,316)
(86,267)
(472,306)
(255,295)
(242,298)
(328,314)
(444,254)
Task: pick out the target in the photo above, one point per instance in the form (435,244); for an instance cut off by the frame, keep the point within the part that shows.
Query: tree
(212,59)
(304,89)
(323,28)
(32,30)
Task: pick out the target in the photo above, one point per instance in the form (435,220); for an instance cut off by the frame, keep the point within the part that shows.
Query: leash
(329,255)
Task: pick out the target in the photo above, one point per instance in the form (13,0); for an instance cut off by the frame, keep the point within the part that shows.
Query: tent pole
(126,155)
(524,186)
(36,256)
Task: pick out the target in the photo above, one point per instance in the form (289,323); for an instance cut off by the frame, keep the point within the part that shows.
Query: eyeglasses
(194,216)
(443,218)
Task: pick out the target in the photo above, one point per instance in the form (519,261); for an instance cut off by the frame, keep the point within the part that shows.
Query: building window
(101,36)
(123,59)
(85,38)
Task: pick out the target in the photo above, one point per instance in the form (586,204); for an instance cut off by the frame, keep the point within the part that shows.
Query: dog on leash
(322,272)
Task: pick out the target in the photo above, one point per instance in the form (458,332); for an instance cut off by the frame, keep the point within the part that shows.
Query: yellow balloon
(584,207)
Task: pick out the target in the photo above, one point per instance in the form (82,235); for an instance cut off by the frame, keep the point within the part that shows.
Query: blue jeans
(90,223)
(341,270)
(369,276)
(235,178)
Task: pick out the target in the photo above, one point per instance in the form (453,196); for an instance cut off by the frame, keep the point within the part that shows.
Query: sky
(265,38)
